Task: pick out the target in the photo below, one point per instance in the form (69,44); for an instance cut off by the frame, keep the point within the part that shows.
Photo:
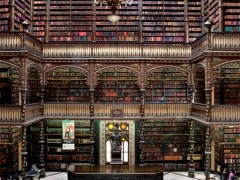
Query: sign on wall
(68,136)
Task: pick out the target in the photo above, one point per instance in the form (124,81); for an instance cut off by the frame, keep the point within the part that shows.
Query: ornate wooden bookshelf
(73,85)
(227,84)
(10,137)
(117,86)
(227,147)
(33,86)
(60,159)
(167,85)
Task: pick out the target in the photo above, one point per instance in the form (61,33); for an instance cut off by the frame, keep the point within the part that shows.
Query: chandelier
(114,4)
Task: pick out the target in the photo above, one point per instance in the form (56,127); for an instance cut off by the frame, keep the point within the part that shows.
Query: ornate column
(208,95)
(24,152)
(191,170)
(42,88)
(186,21)
(207,152)
(91,82)
(42,150)
(220,12)
(11,16)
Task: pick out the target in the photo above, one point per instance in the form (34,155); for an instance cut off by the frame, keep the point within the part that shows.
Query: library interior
(119,89)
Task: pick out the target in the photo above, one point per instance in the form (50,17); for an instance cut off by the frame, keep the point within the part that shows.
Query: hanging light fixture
(114,4)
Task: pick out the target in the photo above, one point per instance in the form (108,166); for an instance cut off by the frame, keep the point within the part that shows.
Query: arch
(10,64)
(65,66)
(35,66)
(166,66)
(223,63)
(115,67)
(199,84)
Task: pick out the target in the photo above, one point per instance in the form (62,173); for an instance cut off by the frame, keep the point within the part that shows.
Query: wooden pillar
(191,170)
(24,152)
(42,88)
(207,152)
(47,21)
(91,82)
(11,16)
(140,20)
(208,87)
(186,21)
(220,12)
(208,95)
(42,150)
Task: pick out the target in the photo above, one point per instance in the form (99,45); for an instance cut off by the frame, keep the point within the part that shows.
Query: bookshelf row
(10,139)
(227,148)
(57,157)
(167,142)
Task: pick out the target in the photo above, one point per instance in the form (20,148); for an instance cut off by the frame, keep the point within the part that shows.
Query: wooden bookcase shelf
(9,85)
(117,86)
(165,142)
(33,86)
(73,85)
(200,85)
(167,85)
(227,84)
(10,137)
(231,15)
(227,150)
(59,159)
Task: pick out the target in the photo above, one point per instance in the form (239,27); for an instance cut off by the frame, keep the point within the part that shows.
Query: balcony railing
(225,113)
(167,110)
(10,114)
(219,113)
(67,109)
(33,111)
(210,41)
(117,50)
(105,109)
(199,111)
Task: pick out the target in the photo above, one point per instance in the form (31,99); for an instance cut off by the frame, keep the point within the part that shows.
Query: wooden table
(115,172)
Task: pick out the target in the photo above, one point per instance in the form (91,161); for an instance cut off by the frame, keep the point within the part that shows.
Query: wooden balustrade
(170,110)
(33,111)
(167,50)
(200,45)
(214,40)
(225,113)
(199,111)
(32,44)
(117,50)
(11,40)
(225,41)
(220,113)
(10,114)
(66,109)
(105,109)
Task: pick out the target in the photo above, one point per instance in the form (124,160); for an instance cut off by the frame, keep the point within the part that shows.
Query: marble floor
(199,175)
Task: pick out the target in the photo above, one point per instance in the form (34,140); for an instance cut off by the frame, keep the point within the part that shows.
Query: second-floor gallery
(160,86)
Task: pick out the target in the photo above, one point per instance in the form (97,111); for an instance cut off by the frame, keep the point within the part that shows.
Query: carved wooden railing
(20,40)
(225,113)
(229,41)
(209,41)
(10,114)
(32,44)
(33,111)
(105,109)
(199,111)
(170,110)
(200,45)
(117,50)
(11,40)
(67,109)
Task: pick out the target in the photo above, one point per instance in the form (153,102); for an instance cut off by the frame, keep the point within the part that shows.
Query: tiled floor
(167,176)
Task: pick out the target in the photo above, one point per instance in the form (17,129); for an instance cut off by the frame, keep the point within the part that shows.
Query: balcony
(220,114)
(21,41)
